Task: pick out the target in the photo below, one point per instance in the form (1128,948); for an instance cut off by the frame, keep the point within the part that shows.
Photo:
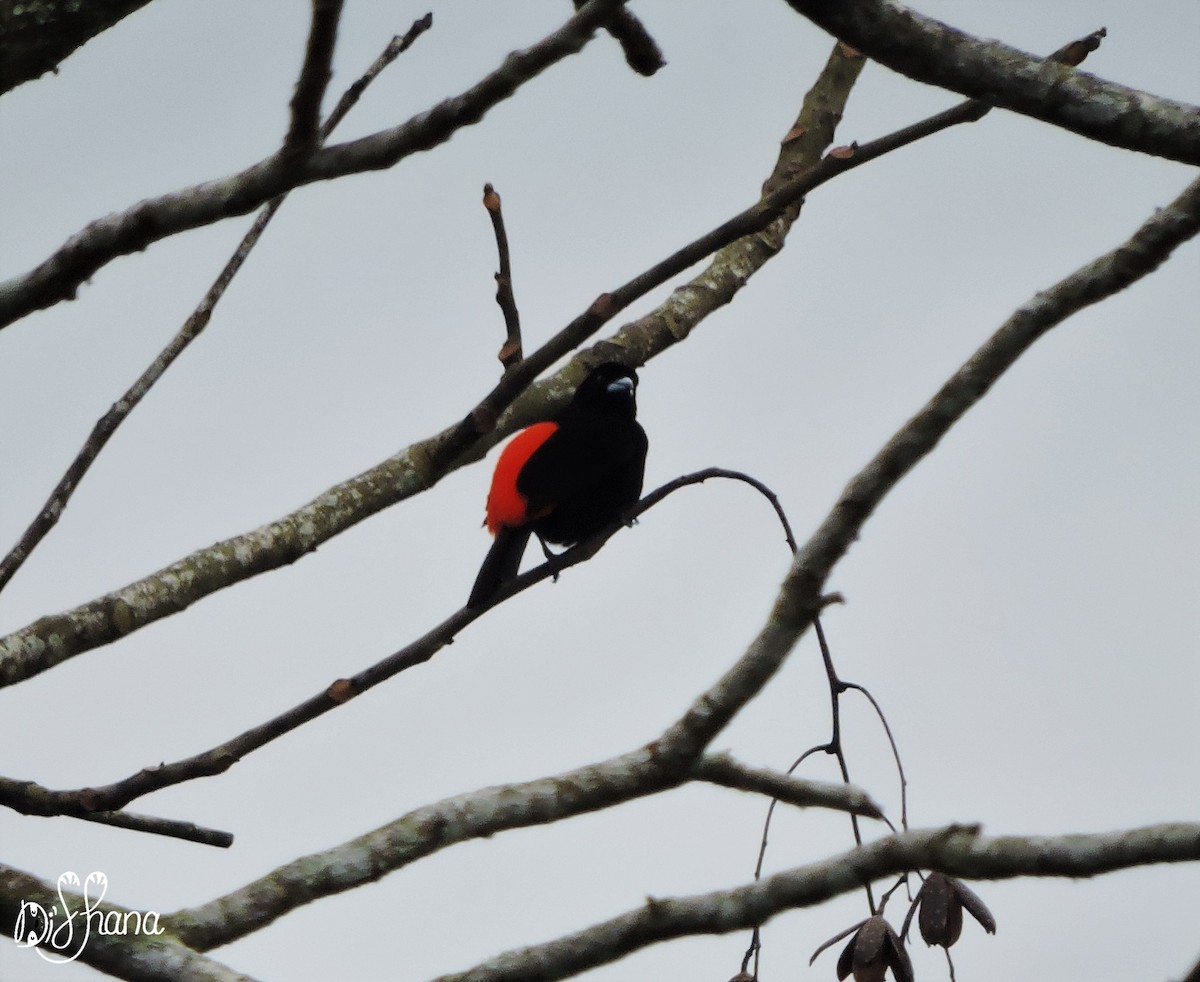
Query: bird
(566,478)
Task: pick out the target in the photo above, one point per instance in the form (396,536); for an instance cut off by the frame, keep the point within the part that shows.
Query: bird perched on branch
(565,479)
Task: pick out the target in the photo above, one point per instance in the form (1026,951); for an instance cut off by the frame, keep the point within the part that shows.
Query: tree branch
(512,351)
(169,827)
(28,798)
(396,47)
(724,771)
(932,52)
(303,134)
(955,850)
(642,52)
(475,815)
(59,277)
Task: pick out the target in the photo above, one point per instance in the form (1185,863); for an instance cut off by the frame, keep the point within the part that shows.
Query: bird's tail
(500,564)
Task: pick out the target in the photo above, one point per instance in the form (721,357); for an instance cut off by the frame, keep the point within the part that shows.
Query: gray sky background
(1024,605)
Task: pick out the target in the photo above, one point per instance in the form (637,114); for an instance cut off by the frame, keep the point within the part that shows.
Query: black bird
(565,479)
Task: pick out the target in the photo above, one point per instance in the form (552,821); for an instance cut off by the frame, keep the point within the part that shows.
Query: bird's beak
(621,385)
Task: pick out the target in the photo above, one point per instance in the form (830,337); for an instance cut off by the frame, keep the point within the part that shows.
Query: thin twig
(887,729)
(28,798)
(511,351)
(107,425)
(188,831)
(396,47)
(303,135)
(835,745)
(830,942)
(755,947)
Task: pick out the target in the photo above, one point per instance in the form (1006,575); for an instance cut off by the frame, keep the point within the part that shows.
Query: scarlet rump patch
(506,506)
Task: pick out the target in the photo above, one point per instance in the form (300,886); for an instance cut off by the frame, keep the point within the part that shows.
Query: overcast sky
(1024,605)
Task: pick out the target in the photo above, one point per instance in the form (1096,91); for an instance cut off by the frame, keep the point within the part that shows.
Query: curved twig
(887,729)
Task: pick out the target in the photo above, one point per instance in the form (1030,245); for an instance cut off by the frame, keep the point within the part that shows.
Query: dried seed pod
(873,950)
(940,903)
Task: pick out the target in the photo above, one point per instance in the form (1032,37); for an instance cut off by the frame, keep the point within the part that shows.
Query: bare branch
(930,51)
(28,798)
(642,52)
(723,770)
(59,277)
(475,815)
(956,850)
(107,425)
(396,47)
(169,827)
(303,134)
(512,351)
